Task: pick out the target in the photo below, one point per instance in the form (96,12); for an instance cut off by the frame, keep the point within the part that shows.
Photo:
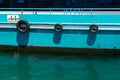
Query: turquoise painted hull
(67,38)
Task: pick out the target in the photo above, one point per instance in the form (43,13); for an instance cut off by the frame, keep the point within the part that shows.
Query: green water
(26,66)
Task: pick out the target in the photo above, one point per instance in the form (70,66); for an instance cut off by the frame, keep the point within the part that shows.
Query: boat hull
(75,32)
(63,39)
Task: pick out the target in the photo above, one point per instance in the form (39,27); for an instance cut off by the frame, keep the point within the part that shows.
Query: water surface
(42,66)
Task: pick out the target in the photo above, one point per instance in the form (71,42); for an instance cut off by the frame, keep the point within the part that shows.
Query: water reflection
(92,73)
(26,66)
(23,67)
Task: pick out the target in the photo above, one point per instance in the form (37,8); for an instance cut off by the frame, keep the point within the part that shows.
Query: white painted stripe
(47,23)
(65,27)
(75,23)
(62,12)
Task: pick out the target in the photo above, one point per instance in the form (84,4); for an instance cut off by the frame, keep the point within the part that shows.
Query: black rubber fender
(93,28)
(58,27)
(23,26)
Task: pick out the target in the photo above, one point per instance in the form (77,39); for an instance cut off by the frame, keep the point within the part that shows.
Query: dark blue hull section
(59,3)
